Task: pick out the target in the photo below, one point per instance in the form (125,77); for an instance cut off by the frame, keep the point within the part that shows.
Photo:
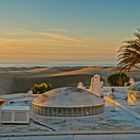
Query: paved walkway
(78,137)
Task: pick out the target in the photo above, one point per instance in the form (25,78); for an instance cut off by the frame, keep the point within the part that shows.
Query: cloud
(59,37)
(55,30)
(29,34)
(23,44)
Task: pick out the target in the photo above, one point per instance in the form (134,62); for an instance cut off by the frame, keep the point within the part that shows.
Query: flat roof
(8,107)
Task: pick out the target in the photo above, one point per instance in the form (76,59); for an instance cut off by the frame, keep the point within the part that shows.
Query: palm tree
(129,53)
(118,79)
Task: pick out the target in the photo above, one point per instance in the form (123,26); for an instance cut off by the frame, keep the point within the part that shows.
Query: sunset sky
(69,31)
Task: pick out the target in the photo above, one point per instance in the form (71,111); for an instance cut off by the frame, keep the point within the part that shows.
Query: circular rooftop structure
(68,102)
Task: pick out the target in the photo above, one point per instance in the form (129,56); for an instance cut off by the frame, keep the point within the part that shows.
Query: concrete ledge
(64,133)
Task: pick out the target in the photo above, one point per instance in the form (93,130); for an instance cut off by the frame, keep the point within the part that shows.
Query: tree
(118,79)
(129,53)
(41,88)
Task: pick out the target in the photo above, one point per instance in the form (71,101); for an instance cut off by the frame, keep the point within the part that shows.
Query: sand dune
(54,69)
(85,70)
(15,80)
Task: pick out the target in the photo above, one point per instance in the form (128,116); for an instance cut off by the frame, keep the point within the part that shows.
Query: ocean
(18,65)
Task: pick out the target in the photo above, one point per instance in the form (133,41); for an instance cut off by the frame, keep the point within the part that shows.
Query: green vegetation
(41,88)
(118,79)
(129,53)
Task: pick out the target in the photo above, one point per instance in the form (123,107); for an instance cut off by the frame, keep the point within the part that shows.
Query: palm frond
(129,53)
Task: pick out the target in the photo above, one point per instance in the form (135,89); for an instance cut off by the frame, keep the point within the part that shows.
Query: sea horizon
(69,64)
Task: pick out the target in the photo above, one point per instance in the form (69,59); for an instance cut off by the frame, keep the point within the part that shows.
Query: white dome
(68,97)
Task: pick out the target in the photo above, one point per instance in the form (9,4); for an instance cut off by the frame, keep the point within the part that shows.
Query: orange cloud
(22,44)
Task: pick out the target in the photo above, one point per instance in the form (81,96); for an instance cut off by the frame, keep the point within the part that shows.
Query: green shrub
(118,79)
(41,88)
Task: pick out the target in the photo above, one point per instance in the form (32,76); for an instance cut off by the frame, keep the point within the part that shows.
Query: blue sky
(100,24)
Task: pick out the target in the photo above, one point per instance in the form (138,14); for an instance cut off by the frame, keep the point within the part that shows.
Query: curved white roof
(68,97)
(135,87)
